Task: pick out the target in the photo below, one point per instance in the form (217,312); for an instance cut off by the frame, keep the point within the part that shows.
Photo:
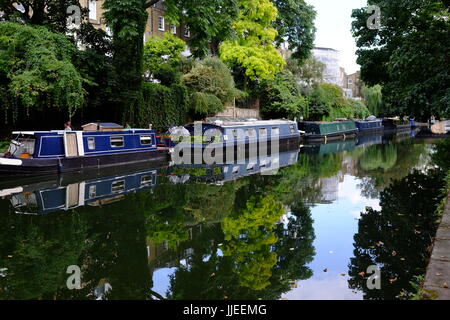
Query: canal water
(309,230)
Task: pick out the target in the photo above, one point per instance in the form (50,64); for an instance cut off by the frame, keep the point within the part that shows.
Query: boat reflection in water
(220,174)
(52,196)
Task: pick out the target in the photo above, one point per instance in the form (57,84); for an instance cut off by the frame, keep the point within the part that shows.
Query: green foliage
(252,48)
(36,70)
(4,146)
(442,155)
(282,98)
(205,104)
(295,24)
(162,56)
(407,56)
(208,21)
(212,76)
(379,157)
(127,20)
(308,74)
(162,106)
(373,99)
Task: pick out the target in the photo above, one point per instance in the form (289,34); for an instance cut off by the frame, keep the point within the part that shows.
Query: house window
(187,32)
(118,186)
(275,131)
(92,9)
(262,132)
(92,191)
(146,140)
(117,142)
(350,81)
(161,24)
(91,143)
(173,29)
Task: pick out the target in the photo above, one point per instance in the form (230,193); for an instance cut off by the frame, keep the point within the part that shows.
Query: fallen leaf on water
(362,274)
(379,243)
(394,253)
(445,285)
(325,270)
(213,274)
(403,259)
(343,274)
(393,280)
(439,274)
(417,232)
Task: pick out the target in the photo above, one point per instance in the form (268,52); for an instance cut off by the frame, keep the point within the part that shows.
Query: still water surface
(227,232)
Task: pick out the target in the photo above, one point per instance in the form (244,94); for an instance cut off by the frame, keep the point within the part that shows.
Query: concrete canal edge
(437,278)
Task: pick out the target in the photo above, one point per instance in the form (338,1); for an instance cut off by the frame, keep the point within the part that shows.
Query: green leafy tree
(373,99)
(252,48)
(295,25)
(407,55)
(163,55)
(36,70)
(282,98)
(309,74)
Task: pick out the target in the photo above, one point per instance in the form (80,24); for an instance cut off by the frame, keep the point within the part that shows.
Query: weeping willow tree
(373,98)
(36,72)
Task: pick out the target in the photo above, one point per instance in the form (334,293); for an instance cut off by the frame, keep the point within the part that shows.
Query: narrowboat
(393,124)
(369,126)
(243,138)
(38,199)
(327,131)
(98,145)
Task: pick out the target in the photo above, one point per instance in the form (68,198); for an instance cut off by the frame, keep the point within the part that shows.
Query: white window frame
(118,186)
(111,142)
(161,23)
(146,138)
(91,143)
(173,29)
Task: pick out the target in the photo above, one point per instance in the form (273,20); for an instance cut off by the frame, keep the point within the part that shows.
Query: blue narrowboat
(98,145)
(369,126)
(52,197)
(221,136)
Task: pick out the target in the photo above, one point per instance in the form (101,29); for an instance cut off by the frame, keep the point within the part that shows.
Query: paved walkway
(437,279)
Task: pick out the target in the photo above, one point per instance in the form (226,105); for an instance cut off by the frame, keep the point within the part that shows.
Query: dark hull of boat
(38,167)
(221,153)
(331,137)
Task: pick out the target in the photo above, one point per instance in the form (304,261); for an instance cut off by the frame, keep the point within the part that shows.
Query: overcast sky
(333,23)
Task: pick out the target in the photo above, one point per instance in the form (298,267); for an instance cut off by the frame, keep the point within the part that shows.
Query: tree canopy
(408,55)
(36,70)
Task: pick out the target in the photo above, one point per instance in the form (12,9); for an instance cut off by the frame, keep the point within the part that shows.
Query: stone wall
(234,112)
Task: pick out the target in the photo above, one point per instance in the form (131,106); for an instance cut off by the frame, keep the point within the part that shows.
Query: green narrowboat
(327,131)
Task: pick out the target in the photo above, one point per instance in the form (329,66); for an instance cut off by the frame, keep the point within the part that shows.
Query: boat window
(91,143)
(250,166)
(235,134)
(146,181)
(118,186)
(262,132)
(146,140)
(236,169)
(117,142)
(275,131)
(292,128)
(92,191)
(250,133)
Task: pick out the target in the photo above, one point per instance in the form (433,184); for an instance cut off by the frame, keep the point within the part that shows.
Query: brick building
(157,24)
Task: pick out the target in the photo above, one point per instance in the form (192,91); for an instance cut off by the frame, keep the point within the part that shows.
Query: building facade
(157,23)
(331,59)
